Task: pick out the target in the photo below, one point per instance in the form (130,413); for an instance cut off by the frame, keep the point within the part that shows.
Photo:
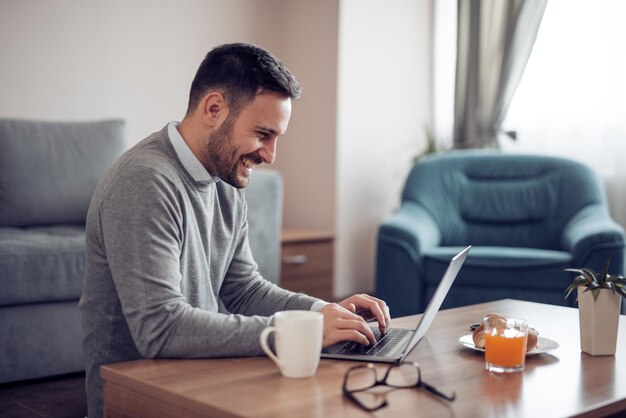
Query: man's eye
(262,134)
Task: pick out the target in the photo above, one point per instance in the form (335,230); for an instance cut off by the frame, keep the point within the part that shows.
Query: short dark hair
(240,71)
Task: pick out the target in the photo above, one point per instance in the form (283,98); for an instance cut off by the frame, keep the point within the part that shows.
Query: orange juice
(505,351)
(505,344)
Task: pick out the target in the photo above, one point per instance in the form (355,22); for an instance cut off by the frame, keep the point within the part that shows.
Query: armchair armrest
(592,236)
(402,239)
(412,228)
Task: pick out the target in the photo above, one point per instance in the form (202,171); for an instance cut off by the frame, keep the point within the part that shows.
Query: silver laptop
(397,343)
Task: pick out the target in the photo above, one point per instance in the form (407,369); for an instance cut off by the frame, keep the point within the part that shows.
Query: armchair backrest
(492,198)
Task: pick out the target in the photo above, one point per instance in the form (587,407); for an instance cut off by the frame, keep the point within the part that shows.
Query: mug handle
(264,334)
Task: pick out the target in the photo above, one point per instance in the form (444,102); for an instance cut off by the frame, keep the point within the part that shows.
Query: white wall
(88,59)
(307,153)
(384,106)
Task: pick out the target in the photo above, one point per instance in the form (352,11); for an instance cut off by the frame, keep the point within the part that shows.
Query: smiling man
(169,272)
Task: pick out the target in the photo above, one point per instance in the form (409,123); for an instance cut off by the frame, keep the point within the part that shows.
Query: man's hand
(376,307)
(341,323)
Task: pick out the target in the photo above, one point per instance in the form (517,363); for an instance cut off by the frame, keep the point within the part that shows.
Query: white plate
(543,345)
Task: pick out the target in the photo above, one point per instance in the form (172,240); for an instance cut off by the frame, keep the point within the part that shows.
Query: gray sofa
(48,172)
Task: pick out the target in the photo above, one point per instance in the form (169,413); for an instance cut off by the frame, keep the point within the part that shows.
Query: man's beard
(224,155)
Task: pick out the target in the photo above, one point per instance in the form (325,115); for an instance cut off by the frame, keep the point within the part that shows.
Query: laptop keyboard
(384,343)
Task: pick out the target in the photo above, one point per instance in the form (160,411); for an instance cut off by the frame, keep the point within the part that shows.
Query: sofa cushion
(41,264)
(49,170)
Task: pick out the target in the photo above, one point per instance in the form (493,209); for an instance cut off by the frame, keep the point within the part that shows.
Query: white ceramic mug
(298,342)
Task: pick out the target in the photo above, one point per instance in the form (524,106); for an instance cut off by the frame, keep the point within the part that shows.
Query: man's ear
(213,109)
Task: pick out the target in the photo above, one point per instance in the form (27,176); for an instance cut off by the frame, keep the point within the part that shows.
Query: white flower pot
(599,320)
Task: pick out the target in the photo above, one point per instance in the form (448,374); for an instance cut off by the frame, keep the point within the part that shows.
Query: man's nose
(268,151)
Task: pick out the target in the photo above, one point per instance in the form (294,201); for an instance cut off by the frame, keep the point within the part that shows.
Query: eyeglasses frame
(383,382)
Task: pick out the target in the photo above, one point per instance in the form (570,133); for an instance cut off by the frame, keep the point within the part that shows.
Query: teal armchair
(527,218)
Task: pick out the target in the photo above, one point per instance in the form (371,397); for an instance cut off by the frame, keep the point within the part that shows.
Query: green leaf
(596,293)
(594,281)
(569,290)
(590,274)
(618,280)
(594,286)
(610,286)
(605,270)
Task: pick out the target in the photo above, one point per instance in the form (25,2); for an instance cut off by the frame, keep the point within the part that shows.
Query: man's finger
(360,326)
(348,335)
(367,301)
(370,309)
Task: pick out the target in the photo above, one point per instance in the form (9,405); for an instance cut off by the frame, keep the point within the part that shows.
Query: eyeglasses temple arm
(350,395)
(434,390)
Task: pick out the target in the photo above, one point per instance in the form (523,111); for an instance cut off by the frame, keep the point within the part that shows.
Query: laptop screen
(437,299)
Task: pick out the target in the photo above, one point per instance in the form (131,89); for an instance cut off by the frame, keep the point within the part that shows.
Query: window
(571,100)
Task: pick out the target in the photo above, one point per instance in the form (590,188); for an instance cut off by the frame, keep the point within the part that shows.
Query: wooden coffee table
(563,382)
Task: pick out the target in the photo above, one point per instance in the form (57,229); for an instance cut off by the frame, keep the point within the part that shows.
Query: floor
(58,397)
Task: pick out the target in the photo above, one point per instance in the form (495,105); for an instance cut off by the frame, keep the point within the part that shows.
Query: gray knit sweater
(169,272)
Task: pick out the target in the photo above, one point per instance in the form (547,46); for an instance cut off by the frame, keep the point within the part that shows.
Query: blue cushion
(49,170)
(502,267)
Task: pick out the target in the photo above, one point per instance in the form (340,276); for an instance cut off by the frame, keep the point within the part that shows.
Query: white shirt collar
(190,162)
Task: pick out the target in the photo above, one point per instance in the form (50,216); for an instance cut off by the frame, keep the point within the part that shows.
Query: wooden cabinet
(307,262)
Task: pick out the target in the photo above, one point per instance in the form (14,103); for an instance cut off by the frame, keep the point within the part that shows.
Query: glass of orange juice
(505,344)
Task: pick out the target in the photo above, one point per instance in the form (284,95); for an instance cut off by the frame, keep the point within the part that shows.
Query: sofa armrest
(402,239)
(264,196)
(592,236)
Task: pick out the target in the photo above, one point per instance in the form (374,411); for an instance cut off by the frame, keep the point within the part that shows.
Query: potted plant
(599,298)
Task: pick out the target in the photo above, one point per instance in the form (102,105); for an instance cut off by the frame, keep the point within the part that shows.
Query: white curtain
(571,100)
(494,41)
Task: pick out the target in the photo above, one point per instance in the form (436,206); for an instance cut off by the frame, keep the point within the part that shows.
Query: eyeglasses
(359,379)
